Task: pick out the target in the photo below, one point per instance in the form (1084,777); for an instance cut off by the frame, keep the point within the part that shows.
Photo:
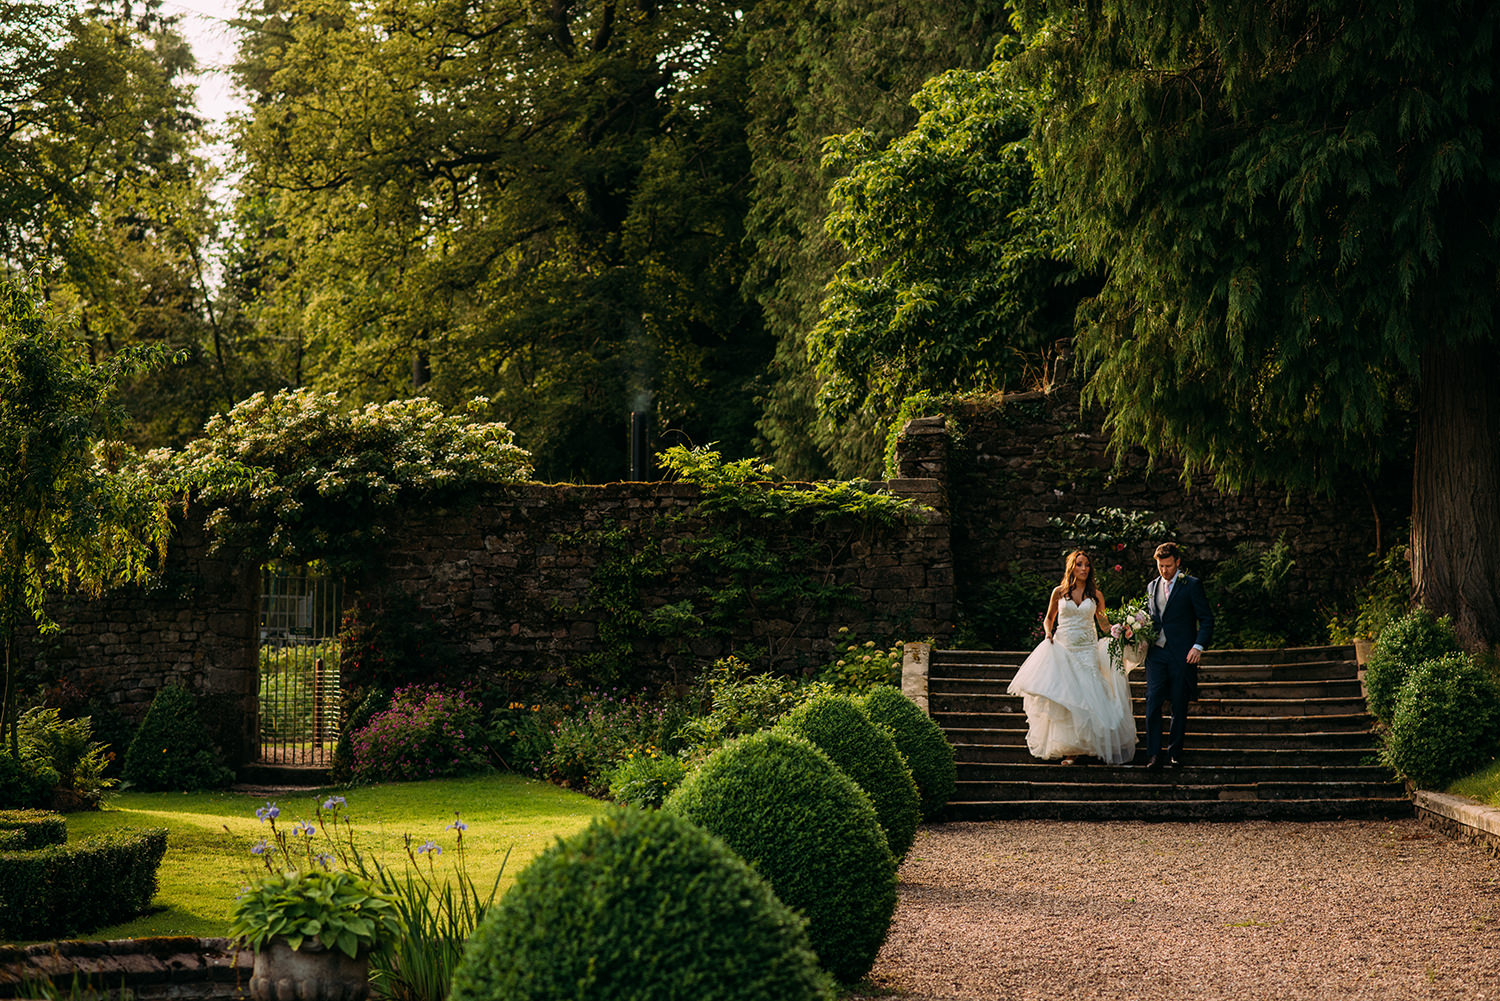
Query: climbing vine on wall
(758,547)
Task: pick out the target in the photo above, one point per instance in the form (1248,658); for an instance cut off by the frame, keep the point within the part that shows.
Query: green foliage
(1415,637)
(815,71)
(1251,607)
(427,732)
(1446,721)
(640,906)
(867,753)
(412,921)
(290,684)
(1294,220)
(921,741)
(955,279)
(24,782)
(64,889)
(564,236)
(104,189)
(1381,600)
(750,488)
(762,547)
(340,910)
(172,749)
(788,810)
(301,475)
(644,777)
(1115,539)
(739,703)
(605,728)
(67,518)
(68,750)
(1005,612)
(858,666)
(27,830)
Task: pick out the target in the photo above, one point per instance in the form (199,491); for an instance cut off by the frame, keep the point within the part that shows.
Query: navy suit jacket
(1186,620)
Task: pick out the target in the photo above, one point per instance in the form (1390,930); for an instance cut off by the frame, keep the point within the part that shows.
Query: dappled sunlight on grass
(1483,785)
(205,866)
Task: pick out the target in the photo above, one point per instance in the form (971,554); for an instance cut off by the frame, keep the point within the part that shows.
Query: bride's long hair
(1071,576)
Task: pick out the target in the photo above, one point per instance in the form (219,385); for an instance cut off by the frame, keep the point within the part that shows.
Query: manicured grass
(205,865)
(1483,785)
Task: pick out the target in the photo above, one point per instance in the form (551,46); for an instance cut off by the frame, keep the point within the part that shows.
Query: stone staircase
(1275,734)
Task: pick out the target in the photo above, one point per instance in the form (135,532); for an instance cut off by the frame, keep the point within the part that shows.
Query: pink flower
(1119,566)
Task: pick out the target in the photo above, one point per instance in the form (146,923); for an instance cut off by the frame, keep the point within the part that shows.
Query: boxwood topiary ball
(928,753)
(1405,643)
(640,906)
(810,831)
(868,755)
(1446,723)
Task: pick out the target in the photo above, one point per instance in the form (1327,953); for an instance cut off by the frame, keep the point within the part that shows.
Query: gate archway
(297,701)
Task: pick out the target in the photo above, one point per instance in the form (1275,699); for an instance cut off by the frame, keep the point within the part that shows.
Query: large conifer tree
(1297,207)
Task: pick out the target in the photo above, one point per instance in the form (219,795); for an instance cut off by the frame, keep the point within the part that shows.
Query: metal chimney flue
(640,454)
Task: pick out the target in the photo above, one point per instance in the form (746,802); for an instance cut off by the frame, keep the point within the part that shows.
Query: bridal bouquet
(1130,630)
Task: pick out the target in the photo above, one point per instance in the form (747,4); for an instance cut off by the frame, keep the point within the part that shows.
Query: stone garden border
(1461,818)
(179,968)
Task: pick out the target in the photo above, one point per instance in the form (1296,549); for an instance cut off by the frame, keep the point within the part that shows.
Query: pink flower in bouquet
(1115,630)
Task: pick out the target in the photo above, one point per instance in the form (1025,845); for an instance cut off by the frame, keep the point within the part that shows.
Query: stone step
(1207,705)
(1335,688)
(1211,658)
(1181,810)
(953,723)
(1322,757)
(1200,772)
(1173,785)
(1015,736)
(1332,670)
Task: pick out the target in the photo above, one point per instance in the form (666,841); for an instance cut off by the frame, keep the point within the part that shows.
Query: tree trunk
(1455,519)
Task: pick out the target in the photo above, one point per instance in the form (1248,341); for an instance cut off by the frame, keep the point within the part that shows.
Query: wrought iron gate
(299,665)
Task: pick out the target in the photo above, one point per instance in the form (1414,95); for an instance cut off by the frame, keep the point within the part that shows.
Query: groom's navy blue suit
(1185,620)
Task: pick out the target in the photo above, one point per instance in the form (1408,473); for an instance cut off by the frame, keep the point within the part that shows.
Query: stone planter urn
(310,973)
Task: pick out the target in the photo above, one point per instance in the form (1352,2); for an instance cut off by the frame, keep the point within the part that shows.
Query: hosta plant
(338,909)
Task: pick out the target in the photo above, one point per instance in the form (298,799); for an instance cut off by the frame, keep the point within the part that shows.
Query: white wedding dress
(1076,703)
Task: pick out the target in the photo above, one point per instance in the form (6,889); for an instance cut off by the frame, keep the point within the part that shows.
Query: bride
(1076,704)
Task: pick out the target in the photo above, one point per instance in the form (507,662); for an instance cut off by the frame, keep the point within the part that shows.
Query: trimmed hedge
(640,906)
(867,753)
(928,753)
(1446,723)
(172,750)
(1404,644)
(28,830)
(65,889)
(804,825)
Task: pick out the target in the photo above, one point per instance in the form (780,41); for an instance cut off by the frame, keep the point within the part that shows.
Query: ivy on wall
(758,547)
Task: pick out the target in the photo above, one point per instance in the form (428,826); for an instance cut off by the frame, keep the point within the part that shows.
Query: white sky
(205,23)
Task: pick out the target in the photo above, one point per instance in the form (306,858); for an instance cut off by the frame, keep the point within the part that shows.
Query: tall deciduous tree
(539,203)
(102,188)
(819,68)
(1297,206)
(956,279)
(66,519)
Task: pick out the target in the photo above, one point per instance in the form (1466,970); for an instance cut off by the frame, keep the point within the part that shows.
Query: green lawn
(205,865)
(1483,785)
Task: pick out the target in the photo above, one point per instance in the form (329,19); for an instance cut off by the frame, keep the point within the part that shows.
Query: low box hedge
(27,830)
(63,889)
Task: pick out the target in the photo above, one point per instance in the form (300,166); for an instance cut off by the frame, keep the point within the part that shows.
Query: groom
(1184,623)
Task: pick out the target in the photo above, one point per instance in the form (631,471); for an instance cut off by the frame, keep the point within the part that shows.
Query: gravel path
(1056,911)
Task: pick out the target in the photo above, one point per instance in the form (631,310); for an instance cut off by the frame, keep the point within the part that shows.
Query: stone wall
(508,580)
(196,625)
(505,583)
(1009,464)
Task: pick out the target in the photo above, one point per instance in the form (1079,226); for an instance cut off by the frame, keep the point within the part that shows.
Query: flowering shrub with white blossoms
(301,474)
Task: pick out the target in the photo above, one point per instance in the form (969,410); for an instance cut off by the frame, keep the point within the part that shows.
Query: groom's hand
(1194,655)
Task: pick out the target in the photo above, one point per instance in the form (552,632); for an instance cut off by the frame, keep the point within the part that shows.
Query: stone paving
(1056,911)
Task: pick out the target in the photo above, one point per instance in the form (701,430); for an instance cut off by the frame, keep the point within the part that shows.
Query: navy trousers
(1171,679)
